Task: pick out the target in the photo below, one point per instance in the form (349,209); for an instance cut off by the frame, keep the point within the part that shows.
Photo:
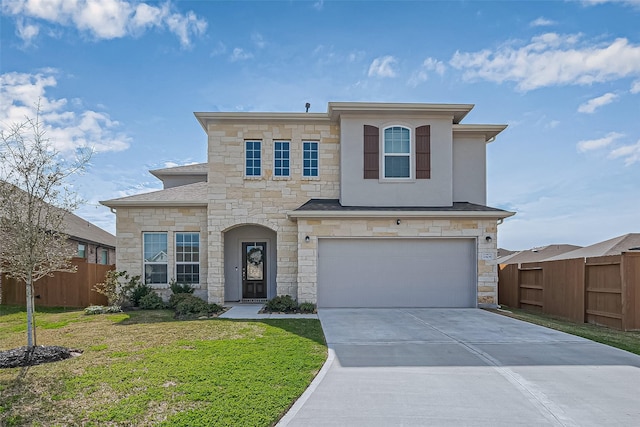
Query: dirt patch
(36,355)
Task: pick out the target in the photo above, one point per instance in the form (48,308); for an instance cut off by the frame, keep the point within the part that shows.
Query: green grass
(144,368)
(629,341)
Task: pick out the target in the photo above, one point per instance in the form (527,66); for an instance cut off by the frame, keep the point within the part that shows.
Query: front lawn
(144,368)
(629,341)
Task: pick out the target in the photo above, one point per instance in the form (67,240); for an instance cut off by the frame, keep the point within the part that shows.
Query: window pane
(397,140)
(155,247)
(396,167)
(155,273)
(310,156)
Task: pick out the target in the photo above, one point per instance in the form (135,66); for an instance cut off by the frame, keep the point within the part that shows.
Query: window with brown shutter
(371,152)
(423,152)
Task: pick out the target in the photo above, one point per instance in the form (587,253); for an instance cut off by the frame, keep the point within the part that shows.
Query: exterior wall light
(398,221)
(307,239)
(488,239)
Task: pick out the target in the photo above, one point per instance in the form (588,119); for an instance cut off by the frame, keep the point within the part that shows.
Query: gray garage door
(396,273)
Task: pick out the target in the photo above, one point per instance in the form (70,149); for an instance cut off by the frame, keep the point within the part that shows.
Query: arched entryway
(250,263)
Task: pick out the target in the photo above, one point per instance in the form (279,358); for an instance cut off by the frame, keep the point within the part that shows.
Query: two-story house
(366,205)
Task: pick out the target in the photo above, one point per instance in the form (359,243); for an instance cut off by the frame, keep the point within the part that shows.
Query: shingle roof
(334,205)
(184,195)
(614,246)
(81,229)
(536,254)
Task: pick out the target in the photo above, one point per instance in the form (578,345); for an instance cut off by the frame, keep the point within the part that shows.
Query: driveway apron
(464,367)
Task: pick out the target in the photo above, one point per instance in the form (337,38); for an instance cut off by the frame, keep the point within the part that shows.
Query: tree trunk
(29,298)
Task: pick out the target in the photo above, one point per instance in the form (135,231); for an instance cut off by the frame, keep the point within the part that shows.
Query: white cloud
(318,5)
(68,129)
(635,87)
(541,22)
(26,32)
(422,75)
(551,60)
(591,105)
(631,153)
(383,67)
(240,54)
(106,19)
(597,2)
(594,144)
(258,40)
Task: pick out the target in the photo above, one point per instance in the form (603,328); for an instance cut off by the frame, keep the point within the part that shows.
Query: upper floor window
(188,258)
(396,158)
(253,158)
(309,158)
(281,158)
(155,257)
(397,152)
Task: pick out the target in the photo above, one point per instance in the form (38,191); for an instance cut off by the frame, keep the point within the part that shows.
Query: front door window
(254,284)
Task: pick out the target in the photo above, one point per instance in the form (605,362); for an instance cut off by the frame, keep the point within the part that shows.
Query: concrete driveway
(464,367)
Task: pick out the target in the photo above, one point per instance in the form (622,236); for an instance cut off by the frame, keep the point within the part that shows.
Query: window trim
(317,168)
(288,151)
(145,263)
(246,152)
(177,263)
(410,155)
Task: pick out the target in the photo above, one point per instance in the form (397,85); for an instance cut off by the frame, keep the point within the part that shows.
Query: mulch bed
(36,355)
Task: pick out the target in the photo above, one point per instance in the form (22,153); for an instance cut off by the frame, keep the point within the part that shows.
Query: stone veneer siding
(235,200)
(132,222)
(487,271)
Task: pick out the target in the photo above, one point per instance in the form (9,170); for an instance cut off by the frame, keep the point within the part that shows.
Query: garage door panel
(396,273)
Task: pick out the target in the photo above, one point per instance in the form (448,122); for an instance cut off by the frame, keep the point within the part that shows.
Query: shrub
(215,308)
(111,287)
(137,291)
(176,298)
(100,309)
(282,303)
(307,307)
(180,288)
(151,301)
(191,306)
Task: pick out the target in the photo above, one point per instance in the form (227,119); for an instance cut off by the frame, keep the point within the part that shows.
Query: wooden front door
(254,270)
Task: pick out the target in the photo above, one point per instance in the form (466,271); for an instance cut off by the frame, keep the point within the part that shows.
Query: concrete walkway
(250,311)
(436,367)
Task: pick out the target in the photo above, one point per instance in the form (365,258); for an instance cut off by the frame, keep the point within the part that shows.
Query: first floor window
(104,256)
(397,152)
(253,158)
(82,250)
(309,158)
(155,257)
(188,258)
(281,158)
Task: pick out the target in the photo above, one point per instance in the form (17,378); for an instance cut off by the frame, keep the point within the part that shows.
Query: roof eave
(458,111)
(152,203)
(205,117)
(396,214)
(489,131)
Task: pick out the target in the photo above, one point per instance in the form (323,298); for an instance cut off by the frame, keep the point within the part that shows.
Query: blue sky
(125,78)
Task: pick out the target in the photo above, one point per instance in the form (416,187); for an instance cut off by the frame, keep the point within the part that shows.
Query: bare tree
(34,198)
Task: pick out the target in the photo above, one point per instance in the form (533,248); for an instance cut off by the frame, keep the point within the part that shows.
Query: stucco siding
(357,191)
(469,170)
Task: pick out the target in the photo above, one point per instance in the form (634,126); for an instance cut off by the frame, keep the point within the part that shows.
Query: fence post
(630,272)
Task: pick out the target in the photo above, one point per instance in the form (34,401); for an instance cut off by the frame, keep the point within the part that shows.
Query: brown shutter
(371,152)
(423,152)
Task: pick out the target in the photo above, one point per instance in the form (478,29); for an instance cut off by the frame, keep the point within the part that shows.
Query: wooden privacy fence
(63,289)
(601,290)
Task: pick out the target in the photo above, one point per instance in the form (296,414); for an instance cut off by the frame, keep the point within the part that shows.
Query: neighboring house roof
(184,195)
(614,246)
(536,254)
(332,207)
(80,229)
(504,252)
(195,169)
